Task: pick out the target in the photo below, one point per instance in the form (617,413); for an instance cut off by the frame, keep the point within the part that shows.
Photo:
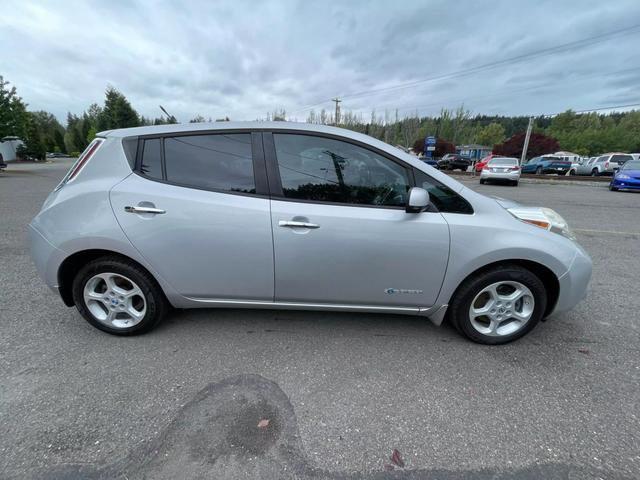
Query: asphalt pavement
(340,391)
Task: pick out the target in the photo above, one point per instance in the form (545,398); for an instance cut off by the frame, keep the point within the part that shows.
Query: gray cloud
(245,58)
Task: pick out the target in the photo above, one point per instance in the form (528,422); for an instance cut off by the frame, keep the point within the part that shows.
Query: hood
(631,173)
(504,203)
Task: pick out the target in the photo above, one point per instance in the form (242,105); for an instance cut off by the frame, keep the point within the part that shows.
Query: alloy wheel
(502,308)
(115,300)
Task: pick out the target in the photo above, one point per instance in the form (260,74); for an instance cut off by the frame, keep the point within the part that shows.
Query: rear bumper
(574,283)
(511,176)
(46,257)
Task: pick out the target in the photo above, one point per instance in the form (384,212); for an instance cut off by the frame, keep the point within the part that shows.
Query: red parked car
(484,161)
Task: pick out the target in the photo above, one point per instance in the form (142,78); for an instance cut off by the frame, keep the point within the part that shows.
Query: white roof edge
(194,127)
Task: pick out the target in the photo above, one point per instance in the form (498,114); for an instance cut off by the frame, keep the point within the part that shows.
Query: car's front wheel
(119,297)
(498,305)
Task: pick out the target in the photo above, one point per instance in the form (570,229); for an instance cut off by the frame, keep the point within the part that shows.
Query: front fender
(474,246)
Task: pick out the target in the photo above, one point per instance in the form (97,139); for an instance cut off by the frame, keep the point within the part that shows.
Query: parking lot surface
(340,390)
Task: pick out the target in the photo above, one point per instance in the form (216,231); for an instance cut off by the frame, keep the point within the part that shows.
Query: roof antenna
(170,118)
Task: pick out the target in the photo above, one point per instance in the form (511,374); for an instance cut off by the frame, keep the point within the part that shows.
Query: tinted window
(218,162)
(327,170)
(534,160)
(151,159)
(621,158)
(445,199)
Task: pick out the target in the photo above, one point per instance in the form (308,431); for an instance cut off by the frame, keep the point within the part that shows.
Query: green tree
(491,134)
(117,112)
(13,111)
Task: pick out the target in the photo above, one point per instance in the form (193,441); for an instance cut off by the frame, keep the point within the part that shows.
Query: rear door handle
(295,224)
(144,210)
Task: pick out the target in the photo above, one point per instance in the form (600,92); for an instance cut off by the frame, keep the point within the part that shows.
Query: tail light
(80,163)
(485,166)
(606,164)
(515,169)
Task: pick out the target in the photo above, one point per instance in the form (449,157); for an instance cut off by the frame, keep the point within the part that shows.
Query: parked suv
(609,163)
(294,216)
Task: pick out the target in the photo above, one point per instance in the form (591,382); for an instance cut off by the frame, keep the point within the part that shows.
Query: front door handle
(153,210)
(295,224)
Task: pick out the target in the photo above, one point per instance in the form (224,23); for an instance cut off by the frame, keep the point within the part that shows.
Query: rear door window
(211,162)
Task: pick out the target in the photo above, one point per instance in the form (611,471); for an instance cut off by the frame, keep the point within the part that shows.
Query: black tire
(539,171)
(515,183)
(482,181)
(572,172)
(156,302)
(612,188)
(594,172)
(465,294)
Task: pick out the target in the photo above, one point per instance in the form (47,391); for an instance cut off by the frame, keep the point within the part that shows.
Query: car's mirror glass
(418,200)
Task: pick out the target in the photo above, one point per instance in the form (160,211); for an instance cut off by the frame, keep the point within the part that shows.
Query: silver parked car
(294,216)
(506,169)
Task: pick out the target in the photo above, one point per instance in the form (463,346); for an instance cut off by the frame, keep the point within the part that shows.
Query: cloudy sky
(246,58)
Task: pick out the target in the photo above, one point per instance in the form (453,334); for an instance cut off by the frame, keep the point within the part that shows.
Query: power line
(480,68)
(508,92)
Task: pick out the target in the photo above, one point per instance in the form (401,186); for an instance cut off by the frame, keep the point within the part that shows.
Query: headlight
(623,176)
(543,218)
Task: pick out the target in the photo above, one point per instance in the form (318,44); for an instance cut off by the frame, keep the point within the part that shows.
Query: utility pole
(523,158)
(337,117)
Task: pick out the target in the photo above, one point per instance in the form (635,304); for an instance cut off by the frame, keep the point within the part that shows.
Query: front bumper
(632,183)
(574,282)
(559,171)
(46,258)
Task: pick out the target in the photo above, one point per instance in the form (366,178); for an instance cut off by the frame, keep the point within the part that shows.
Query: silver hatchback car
(294,216)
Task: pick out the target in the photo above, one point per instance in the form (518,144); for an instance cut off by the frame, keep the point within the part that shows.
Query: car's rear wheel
(612,188)
(539,171)
(514,183)
(594,172)
(119,297)
(482,181)
(498,305)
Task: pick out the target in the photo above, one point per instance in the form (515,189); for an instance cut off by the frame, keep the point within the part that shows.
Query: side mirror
(418,200)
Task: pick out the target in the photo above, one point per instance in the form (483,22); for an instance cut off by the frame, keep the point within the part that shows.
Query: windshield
(503,161)
(631,165)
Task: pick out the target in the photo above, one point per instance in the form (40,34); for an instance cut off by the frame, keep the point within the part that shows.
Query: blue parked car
(628,177)
(540,165)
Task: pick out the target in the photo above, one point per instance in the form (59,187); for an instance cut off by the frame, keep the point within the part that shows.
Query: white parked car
(504,169)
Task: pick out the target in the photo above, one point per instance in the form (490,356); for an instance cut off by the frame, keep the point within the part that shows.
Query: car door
(530,166)
(340,230)
(211,236)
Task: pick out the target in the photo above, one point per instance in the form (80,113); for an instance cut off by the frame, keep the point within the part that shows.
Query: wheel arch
(546,275)
(70,266)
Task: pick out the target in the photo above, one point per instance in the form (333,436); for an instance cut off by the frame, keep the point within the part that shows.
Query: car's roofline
(213,126)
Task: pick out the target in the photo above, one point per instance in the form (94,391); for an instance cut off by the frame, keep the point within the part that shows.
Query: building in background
(474,151)
(8,148)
